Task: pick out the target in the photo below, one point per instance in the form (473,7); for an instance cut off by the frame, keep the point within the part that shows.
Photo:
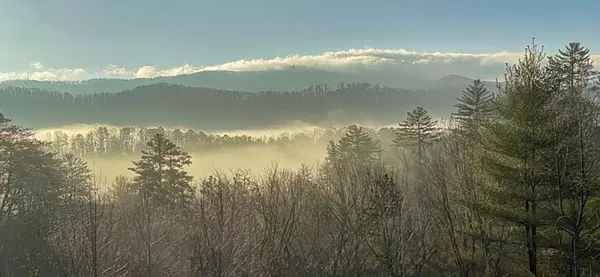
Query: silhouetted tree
(160,173)
(355,148)
(418,129)
(473,107)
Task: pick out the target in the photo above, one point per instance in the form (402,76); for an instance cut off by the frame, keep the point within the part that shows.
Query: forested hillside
(511,189)
(206,108)
(286,79)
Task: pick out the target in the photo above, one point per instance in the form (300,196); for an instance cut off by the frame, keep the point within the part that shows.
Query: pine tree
(77,178)
(356,147)
(161,183)
(576,179)
(364,149)
(518,145)
(573,67)
(333,155)
(160,172)
(418,129)
(475,105)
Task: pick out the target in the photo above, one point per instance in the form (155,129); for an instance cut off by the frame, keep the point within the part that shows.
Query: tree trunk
(531,231)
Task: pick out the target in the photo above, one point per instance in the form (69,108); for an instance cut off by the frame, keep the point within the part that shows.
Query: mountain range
(289,79)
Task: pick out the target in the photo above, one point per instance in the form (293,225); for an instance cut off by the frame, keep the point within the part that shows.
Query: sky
(78,39)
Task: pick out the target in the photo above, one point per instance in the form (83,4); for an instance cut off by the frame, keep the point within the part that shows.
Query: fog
(295,127)
(223,161)
(292,128)
(226,160)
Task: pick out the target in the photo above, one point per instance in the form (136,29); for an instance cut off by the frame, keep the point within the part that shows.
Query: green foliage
(534,149)
(417,130)
(572,67)
(39,194)
(160,173)
(355,148)
(77,177)
(577,172)
(473,108)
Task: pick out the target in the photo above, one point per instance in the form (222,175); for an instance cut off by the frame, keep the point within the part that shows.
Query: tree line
(510,190)
(103,141)
(212,109)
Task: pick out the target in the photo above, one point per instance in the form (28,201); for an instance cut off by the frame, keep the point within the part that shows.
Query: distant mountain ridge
(458,81)
(209,108)
(288,79)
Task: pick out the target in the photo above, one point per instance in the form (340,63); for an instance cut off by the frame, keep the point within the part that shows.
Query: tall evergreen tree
(160,172)
(474,106)
(364,149)
(572,67)
(517,143)
(576,171)
(77,178)
(333,153)
(356,147)
(161,183)
(418,129)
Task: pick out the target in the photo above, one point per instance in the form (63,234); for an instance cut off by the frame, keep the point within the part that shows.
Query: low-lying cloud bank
(423,64)
(40,73)
(221,161)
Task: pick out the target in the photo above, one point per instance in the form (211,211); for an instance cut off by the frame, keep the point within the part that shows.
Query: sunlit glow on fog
(223,160)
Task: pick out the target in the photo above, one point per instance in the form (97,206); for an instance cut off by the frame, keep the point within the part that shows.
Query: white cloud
(37,65)
(50,74)
(115,71)
(151,71)
(395,61)
(328,60)
(425,64)
(389,59)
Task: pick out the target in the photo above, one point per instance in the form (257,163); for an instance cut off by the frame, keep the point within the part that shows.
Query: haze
(225,161)
(270,138)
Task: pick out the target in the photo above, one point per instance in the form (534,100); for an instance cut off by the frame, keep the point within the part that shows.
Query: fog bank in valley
(225,161)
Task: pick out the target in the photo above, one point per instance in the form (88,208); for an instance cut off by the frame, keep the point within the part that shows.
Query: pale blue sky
(91,34)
